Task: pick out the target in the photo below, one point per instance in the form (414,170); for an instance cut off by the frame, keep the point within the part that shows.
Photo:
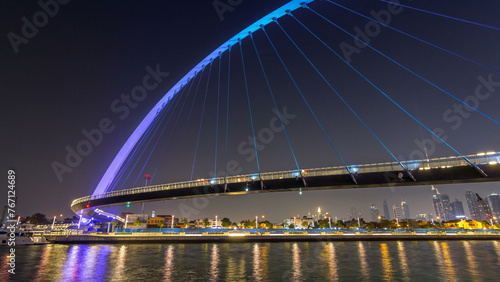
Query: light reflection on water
(294,261)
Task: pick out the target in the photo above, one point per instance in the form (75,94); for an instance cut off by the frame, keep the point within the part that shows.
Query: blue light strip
(274,101)
(227,108)
(416,38)
(441,15)
(398,105)
(122,155)
(250,110)
(404,67)
(217,118)
(201,120)
(305,100)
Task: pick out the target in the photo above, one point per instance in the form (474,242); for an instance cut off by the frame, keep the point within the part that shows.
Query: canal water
(288,261)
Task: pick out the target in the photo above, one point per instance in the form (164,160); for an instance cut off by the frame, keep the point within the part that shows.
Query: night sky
(64,78)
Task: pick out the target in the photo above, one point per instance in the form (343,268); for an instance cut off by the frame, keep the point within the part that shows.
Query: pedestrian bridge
(444,170)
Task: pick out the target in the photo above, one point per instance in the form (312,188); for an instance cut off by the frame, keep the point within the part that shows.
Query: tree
(305,224)
(114,223)
(225,222)
(38,219)
(184,221)
(161,224)
(205,223)
(324,224)
(248,223)
(137,222)
(291,226)
(267,223)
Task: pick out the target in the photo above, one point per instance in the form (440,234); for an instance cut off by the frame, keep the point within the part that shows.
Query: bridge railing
(443,162)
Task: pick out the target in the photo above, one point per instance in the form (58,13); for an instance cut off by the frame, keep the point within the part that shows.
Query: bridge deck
(433,171)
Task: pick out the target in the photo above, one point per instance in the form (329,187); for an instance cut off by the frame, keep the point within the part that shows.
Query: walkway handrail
(442,162)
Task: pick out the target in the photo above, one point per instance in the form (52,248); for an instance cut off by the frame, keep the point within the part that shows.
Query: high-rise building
(387,215)
(397,212)
(457,209)
(478,207)
(405,210)
(442,206)
(374,213)
(494,202)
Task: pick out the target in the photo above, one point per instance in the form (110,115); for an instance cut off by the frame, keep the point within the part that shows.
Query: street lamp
(330,223)
(126,221)
(359,225)
(256,224)
(172,228)
(216,225)
(53,222)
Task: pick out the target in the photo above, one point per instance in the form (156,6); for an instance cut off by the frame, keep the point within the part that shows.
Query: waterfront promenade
(229,237)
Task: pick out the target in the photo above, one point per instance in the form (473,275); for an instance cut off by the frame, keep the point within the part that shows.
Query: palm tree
(205,222)
(184,221)
(161,224)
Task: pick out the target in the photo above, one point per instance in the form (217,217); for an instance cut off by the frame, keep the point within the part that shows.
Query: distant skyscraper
(494,201)
(374,213)
(405,210)
(397,212)
(442,206)
(478,207)
(387,215)
(457,209)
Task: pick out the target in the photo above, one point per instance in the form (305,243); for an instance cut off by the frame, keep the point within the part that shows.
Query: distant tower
(397,212)
(405,210)
(478,207)
(319,213)
(457,209)
(442,206)
(387,215)
(494,201)
(374,213)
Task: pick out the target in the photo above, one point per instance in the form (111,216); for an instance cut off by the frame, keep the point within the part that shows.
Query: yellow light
(493,163)
(491,153)
(481,154)
(236,234)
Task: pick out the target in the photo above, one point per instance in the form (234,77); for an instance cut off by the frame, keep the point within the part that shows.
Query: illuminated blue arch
(124,152)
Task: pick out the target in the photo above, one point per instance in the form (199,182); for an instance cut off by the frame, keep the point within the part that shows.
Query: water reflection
(386,261)
(44,260)
(471,262)
(214,263)
(119,269)
(259,262)
(169,263)
(332,262)
(70,267)
(403,261)
(297,261)
(443,258)
(362,258)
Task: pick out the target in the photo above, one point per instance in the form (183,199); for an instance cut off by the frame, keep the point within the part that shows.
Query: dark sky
(64,78)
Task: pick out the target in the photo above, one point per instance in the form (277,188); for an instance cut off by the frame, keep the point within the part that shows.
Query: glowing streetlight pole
(216,225)
(294,227)
(359,224)
(53,222)
(18,218)
(330,223)
(256,223)
(173,217)
(126,221)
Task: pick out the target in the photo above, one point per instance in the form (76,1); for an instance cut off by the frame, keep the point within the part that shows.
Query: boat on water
(23,238)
